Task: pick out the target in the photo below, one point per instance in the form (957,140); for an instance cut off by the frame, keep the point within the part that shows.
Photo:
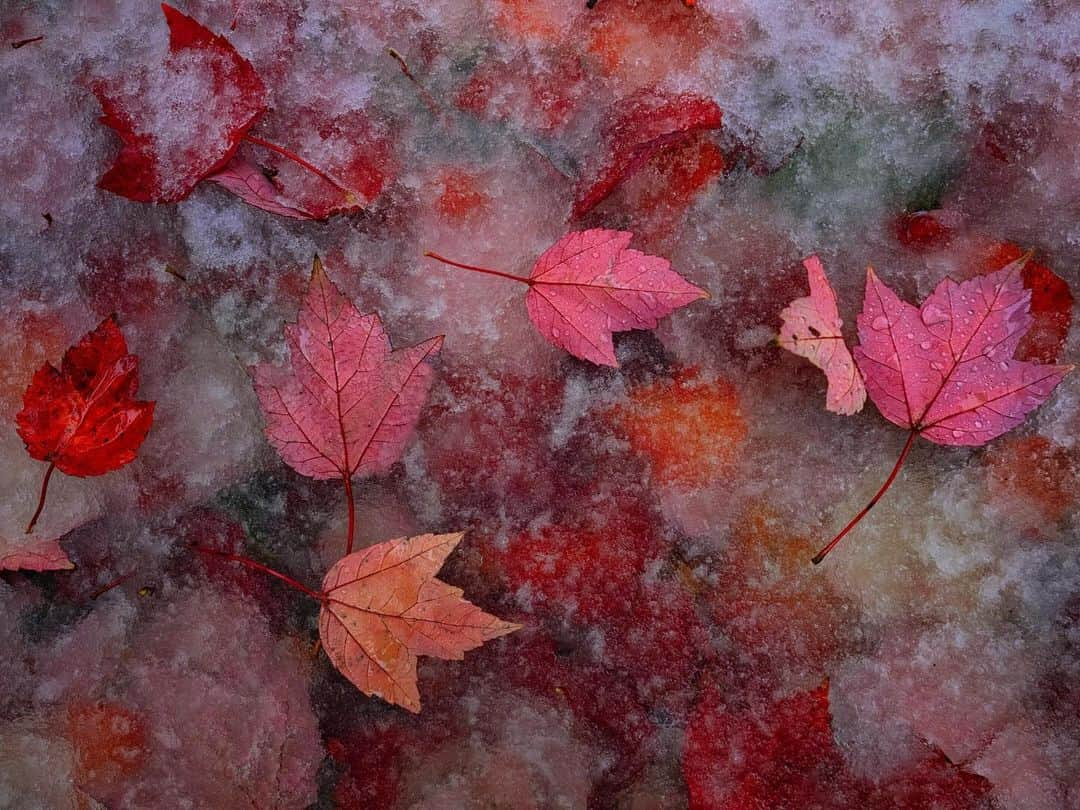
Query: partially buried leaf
(946,370)
(29,552)
(784,756)
(346,404)
(811,329)
(641,126)
(590,284)
(383,607)
(248,182)
(183,122)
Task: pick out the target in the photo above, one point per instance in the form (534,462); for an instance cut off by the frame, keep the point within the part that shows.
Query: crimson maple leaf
(589,284)
(83,418)
(945,370)
(346,405)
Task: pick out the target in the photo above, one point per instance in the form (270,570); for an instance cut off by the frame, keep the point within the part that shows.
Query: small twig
(429,99)
(120,580)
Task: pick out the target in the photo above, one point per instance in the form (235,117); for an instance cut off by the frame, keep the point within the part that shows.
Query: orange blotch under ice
(691,430)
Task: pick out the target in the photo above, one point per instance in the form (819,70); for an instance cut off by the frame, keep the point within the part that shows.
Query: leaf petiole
(316,595)
(855,520)
(432,255)
(41,500)
(299,161)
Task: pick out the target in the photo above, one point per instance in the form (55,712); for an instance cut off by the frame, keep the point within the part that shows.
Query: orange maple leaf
(382,607)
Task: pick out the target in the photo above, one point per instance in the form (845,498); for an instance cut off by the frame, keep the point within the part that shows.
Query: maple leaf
(810,328)
(383,607)
(641,126)
(32,553)
(247,182)
(945,371)
(589,284)
(83,418)
(171,144)
(784,756)
(346,405)
(155,165)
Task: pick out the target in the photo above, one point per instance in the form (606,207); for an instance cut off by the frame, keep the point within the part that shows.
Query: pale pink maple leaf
(382,607)
(32,553)
(346,405)
(589,284)
(246,181)
(810,328)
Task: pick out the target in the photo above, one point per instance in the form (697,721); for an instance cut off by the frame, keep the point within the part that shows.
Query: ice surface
(650,526)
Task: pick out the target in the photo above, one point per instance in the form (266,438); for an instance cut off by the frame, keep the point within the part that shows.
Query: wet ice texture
(699,478)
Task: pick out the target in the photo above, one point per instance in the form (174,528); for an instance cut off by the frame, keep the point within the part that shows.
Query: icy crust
(212,714)
(698,479)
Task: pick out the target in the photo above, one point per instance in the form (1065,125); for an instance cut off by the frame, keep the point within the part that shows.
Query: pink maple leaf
(589,284)
(346,405)
(810,328)
(247,182)
(945,370)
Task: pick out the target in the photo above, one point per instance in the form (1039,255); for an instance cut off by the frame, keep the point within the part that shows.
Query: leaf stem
(352,514)
(432,255)
(120,580)
(41,500)
(260,567)
(295,158)
(888,483)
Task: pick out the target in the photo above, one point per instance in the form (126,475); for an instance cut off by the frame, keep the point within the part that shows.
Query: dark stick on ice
(22,42)
(429,99)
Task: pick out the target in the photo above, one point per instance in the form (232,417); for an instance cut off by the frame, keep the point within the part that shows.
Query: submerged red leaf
(640,127)
(784,756)
(184,122)
(383,607)
(1051,305)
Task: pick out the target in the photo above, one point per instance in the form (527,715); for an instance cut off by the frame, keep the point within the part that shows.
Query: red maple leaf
(783,757)
(640,127)
(83,418)
(220,96)
(184,123)
(346,405)
(589,284)
(945,370)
